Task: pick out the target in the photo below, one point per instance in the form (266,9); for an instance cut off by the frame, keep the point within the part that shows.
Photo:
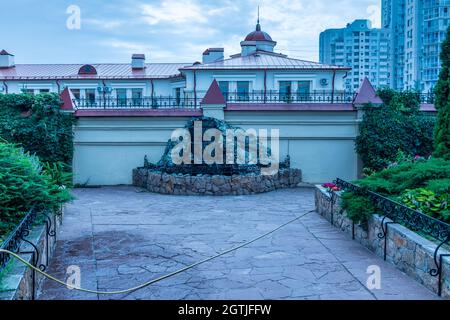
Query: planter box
(408,251)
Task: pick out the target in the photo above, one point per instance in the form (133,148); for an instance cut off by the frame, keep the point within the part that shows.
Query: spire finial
(258,26)
(258,14)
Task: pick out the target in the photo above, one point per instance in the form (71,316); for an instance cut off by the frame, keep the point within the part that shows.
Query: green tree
(37,124)
(442,129)
(395,126)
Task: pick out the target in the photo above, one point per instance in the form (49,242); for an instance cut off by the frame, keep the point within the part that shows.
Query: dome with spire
(258,35)
(257,40)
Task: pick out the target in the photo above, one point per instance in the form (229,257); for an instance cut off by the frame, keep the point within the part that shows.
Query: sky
(93,31)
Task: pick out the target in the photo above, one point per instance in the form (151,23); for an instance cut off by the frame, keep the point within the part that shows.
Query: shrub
(421,185)
(428,202)
(408,176)
(442,130)
(395,126)
(26,183)
(358,207)
(37,124)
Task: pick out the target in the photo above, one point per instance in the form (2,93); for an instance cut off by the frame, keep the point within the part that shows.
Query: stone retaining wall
(16,281)
(407,250)
(158,182)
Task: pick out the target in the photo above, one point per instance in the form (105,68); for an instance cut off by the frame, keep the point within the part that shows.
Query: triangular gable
(214,95)
(367,94)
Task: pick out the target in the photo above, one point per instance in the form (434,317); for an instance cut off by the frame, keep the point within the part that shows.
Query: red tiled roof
(104,71)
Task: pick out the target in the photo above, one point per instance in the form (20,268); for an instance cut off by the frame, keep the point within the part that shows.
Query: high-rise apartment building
(361,47)
(416,30)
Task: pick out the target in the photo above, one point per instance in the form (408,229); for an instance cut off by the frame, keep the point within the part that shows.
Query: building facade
(128,111)
(416,28)
(361,47)
(257,73)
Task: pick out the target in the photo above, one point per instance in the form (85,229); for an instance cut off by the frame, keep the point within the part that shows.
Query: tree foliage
(396,125)
(442,104)
(37,124)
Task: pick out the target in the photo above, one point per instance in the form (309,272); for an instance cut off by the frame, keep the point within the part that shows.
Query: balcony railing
(193,101)
(137,103)
(426,98)
(286,98)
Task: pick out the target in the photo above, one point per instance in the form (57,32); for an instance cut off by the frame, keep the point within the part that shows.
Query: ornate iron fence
(138,103)
(272,96)
(19,236)
(410,218)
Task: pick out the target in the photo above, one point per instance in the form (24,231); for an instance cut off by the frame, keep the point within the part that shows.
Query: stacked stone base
(215,185)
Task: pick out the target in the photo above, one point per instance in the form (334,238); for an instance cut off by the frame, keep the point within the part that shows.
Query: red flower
(329,185)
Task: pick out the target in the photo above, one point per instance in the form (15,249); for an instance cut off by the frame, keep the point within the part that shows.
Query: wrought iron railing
(427,98)
(192,100)
(137,103)
(271,96)
(410,218)
(19,236)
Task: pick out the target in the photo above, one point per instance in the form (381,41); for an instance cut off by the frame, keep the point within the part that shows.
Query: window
(285,90)
(90,96)
(44,90)
(136,95)
(28,91)
(178,96)
(224,88)
(76,93)
(303,88)
(121,95)
(243,88)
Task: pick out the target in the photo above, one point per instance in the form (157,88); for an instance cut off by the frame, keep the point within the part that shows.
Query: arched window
(87,69)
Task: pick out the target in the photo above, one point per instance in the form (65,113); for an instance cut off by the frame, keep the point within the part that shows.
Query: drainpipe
(152,92)
(195,88)
(59,86)
(6,87)
(332,89)
(265,85)
(104,94)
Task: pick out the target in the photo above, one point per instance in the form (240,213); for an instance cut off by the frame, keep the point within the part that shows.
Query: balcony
(137,103)
(193,101)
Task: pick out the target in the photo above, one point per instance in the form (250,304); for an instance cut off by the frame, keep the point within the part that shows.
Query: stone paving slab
(121,237)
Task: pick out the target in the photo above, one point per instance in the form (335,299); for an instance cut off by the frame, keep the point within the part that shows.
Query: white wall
(319,143)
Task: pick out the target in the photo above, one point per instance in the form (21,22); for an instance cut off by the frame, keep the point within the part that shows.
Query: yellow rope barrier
(148,283)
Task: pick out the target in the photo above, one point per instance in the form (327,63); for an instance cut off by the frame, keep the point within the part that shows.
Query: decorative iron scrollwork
(410,218)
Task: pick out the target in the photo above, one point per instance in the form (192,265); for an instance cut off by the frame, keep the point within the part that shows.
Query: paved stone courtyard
(121,237)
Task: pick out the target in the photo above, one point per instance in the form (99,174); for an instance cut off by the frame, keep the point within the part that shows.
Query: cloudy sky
(166,30)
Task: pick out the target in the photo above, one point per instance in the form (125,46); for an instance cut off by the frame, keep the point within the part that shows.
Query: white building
(127,111)
(256,73)
(363,48)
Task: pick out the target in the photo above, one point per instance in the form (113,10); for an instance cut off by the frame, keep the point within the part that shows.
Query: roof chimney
(138,61)
(6,59)
(213,55)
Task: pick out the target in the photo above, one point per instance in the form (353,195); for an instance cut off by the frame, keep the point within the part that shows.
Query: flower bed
(408,251)
(420,184)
